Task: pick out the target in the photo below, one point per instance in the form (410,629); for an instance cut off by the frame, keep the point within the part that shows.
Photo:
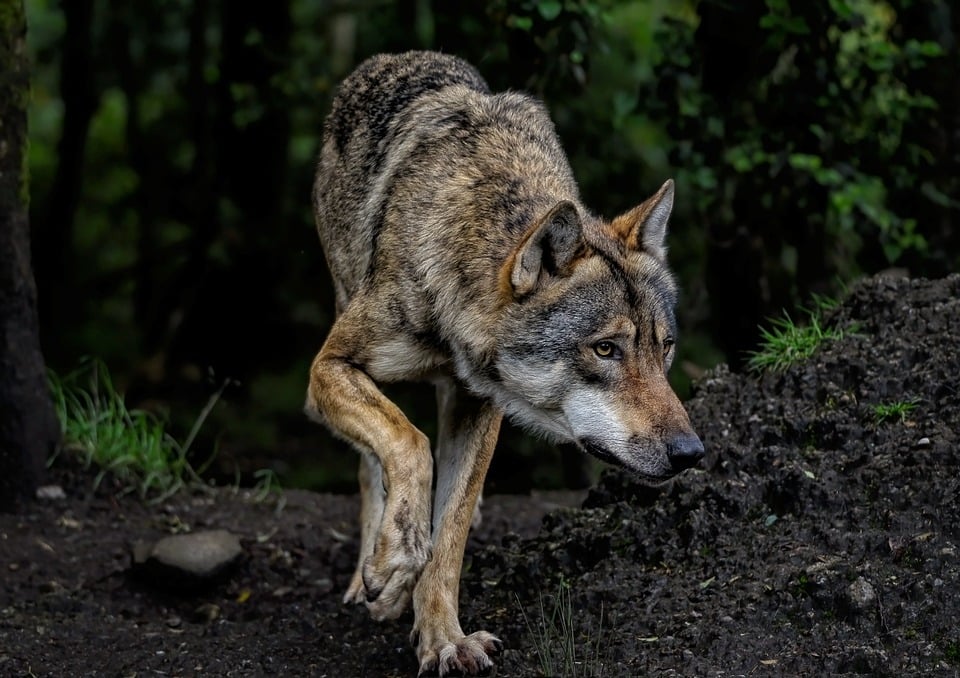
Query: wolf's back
(370,99)
(425,177)
(359,144)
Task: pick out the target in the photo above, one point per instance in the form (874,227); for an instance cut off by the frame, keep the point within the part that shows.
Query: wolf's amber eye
(605,349)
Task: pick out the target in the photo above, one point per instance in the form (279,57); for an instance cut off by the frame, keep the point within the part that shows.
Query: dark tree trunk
(53,234)
(130,73)
(201,196)
(251,124)
(28,426)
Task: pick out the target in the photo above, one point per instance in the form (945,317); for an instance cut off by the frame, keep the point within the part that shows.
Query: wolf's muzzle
(684,451)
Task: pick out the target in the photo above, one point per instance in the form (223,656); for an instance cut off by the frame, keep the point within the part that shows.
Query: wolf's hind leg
(346,399)
(371,515)
(468,429)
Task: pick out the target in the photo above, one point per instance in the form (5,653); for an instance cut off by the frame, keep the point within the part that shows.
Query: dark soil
(815,541)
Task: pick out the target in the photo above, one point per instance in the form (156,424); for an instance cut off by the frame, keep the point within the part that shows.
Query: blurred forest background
(172,147)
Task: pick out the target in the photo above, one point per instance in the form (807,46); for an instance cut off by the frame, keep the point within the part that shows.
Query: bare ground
(814,541)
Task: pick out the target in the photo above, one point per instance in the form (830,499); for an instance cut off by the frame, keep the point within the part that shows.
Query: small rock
(206,613)
(186,561)
(923,442)
(52,586)
(862,595)
(51,492)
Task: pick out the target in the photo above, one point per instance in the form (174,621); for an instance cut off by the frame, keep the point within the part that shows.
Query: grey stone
(862,595)
(187,560)
(51,493)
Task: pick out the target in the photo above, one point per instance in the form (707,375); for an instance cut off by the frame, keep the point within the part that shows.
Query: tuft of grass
(132,446)
(267,486)
(787,343)
(894,411)
(555,640)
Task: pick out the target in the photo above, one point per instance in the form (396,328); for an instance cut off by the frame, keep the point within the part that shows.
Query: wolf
(462,255)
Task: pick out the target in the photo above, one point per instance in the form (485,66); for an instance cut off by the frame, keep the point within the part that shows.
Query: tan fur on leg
(371,516)
(346,399)
(467,436)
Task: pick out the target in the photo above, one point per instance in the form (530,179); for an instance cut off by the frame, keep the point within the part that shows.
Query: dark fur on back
(386,84)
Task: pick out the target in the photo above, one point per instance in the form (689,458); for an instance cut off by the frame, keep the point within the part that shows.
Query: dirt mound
(819,538)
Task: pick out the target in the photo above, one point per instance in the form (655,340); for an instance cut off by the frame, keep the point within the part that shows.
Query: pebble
(207,612)
(50,492)
(861,594)
(184,561)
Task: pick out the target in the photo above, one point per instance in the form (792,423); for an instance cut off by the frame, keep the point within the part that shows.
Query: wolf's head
(590,334)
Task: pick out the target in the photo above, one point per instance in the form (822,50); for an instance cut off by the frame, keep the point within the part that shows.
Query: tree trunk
(53,226)
(28,426)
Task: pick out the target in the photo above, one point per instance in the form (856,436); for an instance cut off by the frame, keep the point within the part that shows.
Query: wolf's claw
(356,593)
(468,656)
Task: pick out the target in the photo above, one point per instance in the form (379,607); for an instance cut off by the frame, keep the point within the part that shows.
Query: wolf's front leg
(343,396)
(467,435)
(372,499)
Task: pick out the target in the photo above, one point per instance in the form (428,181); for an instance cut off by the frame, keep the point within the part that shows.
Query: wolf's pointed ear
(644,228)
(548,250)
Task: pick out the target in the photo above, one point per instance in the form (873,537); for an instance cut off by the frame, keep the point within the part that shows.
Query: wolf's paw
(390,574)
(466,656)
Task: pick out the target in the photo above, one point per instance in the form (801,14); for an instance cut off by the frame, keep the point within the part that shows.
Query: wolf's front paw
(391,572)
(466,656)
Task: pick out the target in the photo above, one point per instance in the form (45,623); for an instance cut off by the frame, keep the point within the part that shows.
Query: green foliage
(801,131)
(132,446)
(893,411)
(787,343)
(556,642)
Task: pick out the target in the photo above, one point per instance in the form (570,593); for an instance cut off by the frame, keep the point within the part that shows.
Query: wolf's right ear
(644,228)
(548,249)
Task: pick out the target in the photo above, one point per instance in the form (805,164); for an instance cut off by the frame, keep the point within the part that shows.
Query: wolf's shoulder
(385,84)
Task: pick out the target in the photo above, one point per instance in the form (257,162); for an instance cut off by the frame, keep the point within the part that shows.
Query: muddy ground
(815,540)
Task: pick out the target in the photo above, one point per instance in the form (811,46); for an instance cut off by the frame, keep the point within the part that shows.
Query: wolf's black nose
(684,451)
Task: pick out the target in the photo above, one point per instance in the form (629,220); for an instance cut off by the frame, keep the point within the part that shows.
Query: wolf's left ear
(644,228)
(548,250)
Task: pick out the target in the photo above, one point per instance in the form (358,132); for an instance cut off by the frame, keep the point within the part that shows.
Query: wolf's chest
(405,358)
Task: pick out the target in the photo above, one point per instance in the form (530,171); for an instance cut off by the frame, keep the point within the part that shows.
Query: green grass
(894,411)
(787,343)
(555,639)
(132,446)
